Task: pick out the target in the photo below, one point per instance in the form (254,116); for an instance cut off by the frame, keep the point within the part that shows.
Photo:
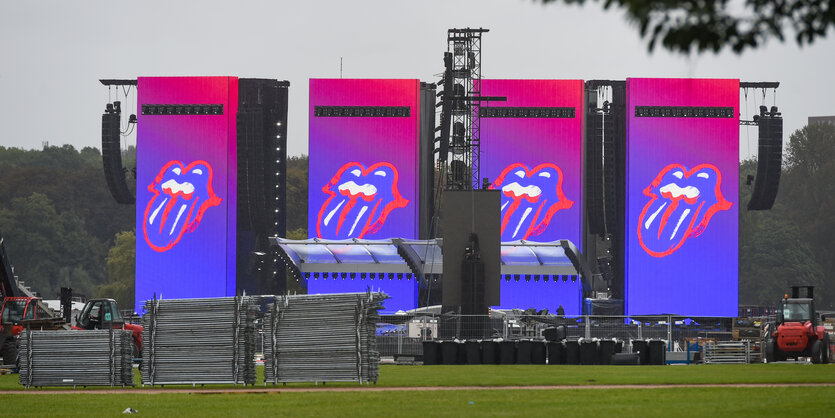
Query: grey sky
(52,53)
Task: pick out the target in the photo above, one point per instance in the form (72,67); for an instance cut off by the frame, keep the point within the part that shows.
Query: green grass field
(707,401)
(589,403)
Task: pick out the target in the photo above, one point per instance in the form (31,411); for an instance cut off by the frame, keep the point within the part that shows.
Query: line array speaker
(594,166)
(262,172)
(616,189)
(446,111)
(111,152)
(769,160)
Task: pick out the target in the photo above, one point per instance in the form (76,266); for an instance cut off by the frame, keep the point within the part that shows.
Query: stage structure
(605,184)
(210,186)
(532,150)
(461,95)
(367,145)
(682,196)
(368,263)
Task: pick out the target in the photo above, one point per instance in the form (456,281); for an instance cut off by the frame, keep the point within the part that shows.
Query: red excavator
(799,332)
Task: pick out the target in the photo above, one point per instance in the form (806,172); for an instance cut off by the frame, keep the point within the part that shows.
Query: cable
(747,126)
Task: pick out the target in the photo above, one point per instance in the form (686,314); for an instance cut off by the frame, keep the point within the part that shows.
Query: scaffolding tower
(465,140)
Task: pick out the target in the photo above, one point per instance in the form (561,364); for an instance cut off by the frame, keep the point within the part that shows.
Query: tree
(809,194)
(297,193)
(773,257)
(73,181)
(50,249)
(121,270)
(681,25)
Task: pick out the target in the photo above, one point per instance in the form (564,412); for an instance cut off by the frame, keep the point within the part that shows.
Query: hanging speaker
(769,160)
(446,110)
(111,153)
(594,166)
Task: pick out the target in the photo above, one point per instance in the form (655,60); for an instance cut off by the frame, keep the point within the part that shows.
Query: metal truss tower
(465,140)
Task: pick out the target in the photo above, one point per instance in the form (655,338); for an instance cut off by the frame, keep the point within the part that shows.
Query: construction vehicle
(20,312)
(16,311)
(799,332)
(19,308)
(104,314)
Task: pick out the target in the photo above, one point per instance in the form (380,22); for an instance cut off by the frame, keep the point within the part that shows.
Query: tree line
(63,228)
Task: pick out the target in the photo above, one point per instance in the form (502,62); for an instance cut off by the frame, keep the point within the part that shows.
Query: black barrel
(473,350)
(507,352)
(449,352)
(572,352)
(605,350)
(588,352)
(538,352)
(625,359)
(641,348)
(556,352)
(431,353)
(523,352)
(489,352)
(657,355)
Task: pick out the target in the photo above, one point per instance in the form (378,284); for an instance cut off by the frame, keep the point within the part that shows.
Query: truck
(16,310)
(799,331)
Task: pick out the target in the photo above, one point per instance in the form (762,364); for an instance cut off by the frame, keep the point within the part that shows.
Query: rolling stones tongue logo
(181,197)
(681,205)
(359,201)
(530,198)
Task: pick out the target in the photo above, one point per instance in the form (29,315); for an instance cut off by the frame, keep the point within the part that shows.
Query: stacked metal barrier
(76,358)
(199,341)
(732,352)
(322,338)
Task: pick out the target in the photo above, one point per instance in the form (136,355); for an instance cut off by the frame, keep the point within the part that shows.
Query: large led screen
(682,196)
(363,169)
(186,187)
(363,159)
(532,150)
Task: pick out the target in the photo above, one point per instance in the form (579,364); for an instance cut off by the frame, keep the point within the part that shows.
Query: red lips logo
(359,201)
(681,206)
(181,195)
(530,198)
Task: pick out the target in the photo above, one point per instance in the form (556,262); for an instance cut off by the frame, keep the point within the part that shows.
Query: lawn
(808,401)
(533,375)
(689,401)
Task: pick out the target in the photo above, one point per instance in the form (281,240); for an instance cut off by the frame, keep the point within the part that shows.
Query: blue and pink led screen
(186,191)
(538,165)
(682,200)
(363,170)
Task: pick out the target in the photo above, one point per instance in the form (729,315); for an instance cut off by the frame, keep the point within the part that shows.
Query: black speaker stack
(111,151)
(262,167)
(769,158)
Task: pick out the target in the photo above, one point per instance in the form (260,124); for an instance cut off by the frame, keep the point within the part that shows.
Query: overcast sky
(52,54)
